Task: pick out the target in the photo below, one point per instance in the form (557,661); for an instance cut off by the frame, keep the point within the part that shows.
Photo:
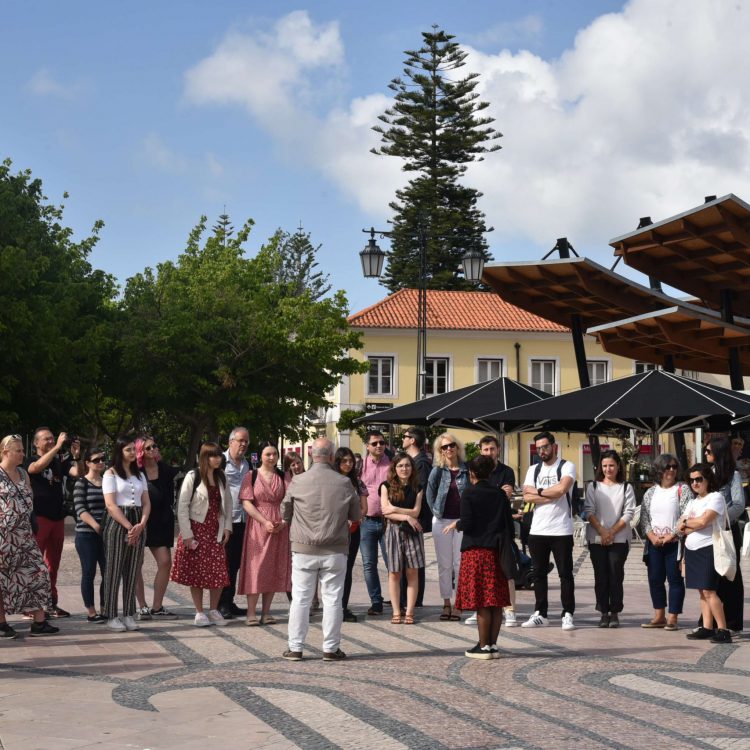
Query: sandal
(253,622)
(408,619)
(446,614)
(671,625)
(654,624)
(396,619)
(268,620)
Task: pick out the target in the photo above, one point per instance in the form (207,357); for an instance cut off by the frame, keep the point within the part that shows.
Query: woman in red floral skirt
(485,514)
(204,514)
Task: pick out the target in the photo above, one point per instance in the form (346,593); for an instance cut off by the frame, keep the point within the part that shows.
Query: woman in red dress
(204,514)
(485,514)
(266,557)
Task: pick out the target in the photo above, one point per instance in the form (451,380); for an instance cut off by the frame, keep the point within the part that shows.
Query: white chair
(635,524)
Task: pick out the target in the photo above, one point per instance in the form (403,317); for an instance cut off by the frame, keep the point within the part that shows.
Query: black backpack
(574,504)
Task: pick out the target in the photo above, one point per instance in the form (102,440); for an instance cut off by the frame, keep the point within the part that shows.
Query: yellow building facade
(471,337)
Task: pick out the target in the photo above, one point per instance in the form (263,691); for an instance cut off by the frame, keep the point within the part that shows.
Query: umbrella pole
(583,377)
(679,437)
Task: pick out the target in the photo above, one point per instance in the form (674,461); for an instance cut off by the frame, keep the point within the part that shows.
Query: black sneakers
(700,634)
(42,628)
(6,631)
(479,652)
(722,635)
(349,616)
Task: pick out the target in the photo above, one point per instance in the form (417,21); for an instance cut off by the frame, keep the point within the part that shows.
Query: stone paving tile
(171,685)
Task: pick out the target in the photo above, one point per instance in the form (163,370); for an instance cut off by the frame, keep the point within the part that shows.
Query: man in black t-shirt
(47,474)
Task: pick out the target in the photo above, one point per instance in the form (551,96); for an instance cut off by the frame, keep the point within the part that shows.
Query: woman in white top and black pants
(125,490)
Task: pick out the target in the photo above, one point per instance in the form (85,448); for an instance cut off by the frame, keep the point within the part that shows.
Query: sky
(151,114)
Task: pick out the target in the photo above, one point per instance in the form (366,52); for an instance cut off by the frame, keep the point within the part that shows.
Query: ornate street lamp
(473,264)
(372,258)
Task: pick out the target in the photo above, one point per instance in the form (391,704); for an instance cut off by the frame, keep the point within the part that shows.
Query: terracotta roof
(452,311)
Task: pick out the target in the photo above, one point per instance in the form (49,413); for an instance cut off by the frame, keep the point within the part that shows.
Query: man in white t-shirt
(549,485)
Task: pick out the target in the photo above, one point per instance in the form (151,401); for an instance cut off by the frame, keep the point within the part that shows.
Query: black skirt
(699,569)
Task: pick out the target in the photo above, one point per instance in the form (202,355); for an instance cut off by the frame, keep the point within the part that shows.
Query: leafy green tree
(214,339)
(298,268)
(436,127)
(55,310)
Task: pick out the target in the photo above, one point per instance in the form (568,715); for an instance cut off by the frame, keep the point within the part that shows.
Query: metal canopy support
(735,367)
(422,317)
(679,437)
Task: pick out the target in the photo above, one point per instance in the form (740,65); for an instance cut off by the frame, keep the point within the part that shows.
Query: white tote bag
(725,558)
(746,541)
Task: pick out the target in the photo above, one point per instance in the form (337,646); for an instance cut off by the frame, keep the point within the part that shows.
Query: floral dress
(24,578)
(204,567)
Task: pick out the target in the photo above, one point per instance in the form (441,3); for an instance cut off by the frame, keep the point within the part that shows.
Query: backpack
(572,494)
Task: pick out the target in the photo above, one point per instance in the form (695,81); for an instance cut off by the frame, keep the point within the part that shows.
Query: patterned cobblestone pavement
(171,685)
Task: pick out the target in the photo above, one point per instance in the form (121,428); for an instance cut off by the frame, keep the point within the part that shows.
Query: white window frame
(448,372)
(479,360)
(393,393)
(606,363)
(556,362)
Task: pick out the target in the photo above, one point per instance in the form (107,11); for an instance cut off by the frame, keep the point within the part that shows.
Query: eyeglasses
(377,442)
(448,447)
(541,448)
(97,460)
(237,440)
(697,480)
(671,467)
(150,448)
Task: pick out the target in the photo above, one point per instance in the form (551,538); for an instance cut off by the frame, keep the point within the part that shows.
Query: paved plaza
(172,685)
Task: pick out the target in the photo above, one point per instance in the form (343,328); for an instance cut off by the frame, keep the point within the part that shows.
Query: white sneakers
(216,618)
(509,618)
(471,619)
(130,623)
(116,625)
(535,621)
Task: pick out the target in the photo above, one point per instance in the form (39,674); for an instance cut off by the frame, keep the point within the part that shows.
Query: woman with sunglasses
(663,504)
(720,455)
(401,501)
(345,463)
(160,528)
(24,578)
(128,507)
(204,514)
(704,513)
(448,479)
(88,499)
(609,509)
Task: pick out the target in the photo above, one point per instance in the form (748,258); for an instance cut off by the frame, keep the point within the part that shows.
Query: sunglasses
(150,448)
(377,442)
(97,460)
(407,436)
(671,467)
(448,446)
(708,452)
(697,480)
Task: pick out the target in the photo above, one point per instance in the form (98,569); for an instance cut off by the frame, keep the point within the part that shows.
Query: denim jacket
(439,483)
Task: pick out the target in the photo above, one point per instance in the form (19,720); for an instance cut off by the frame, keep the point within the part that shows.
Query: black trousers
(234,560)
(353,549)
(609,573)
(561,547)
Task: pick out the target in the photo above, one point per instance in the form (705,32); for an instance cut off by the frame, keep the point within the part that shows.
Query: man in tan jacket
(318,507)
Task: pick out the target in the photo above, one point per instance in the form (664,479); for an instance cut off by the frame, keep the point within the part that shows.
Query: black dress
(160,524)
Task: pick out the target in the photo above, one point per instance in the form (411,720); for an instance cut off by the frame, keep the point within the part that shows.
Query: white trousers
(307,570)
(448,554)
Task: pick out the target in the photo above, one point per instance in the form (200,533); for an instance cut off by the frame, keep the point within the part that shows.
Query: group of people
(255,532)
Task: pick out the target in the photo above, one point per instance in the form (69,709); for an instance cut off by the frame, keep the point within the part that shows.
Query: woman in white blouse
(609,509)
(125,490)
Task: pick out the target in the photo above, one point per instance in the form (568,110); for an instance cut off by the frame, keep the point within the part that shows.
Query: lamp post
(372,258)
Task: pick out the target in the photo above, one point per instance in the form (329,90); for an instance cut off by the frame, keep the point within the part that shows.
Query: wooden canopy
(557,289)
(703,251)
(697,339)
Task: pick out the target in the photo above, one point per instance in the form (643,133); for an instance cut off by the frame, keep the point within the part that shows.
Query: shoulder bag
(725,557)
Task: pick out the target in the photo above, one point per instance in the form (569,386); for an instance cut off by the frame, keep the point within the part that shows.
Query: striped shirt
(88,497)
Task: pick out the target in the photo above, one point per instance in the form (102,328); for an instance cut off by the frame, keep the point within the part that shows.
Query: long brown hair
(207,451)
(395,488)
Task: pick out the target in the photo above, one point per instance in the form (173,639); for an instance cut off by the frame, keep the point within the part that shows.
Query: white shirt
(665,509)
(128,491)
(551,519)
(704,537)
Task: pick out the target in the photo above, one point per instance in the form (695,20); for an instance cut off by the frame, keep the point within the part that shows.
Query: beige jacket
(317,505)
(194,506)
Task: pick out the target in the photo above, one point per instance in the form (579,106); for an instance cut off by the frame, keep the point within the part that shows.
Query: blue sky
(151,114)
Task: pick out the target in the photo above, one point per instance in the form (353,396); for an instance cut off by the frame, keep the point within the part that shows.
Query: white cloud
(157,154)
(523,30)
(647,111)
(44,83)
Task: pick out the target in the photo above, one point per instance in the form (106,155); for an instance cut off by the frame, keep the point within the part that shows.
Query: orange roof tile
(452,310)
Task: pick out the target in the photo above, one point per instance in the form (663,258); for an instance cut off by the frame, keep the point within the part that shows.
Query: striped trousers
(123,562)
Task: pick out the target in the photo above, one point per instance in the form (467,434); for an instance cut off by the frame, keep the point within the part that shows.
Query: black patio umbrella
(654,401)
(460,408)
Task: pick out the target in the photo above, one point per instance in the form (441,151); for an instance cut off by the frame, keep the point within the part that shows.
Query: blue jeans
(90,549)
(662,564)
(371,534)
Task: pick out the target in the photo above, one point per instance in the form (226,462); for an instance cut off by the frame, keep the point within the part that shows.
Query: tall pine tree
(435,125)
(298,269)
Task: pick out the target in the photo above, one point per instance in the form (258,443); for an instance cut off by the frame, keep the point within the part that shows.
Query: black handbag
(507,555)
